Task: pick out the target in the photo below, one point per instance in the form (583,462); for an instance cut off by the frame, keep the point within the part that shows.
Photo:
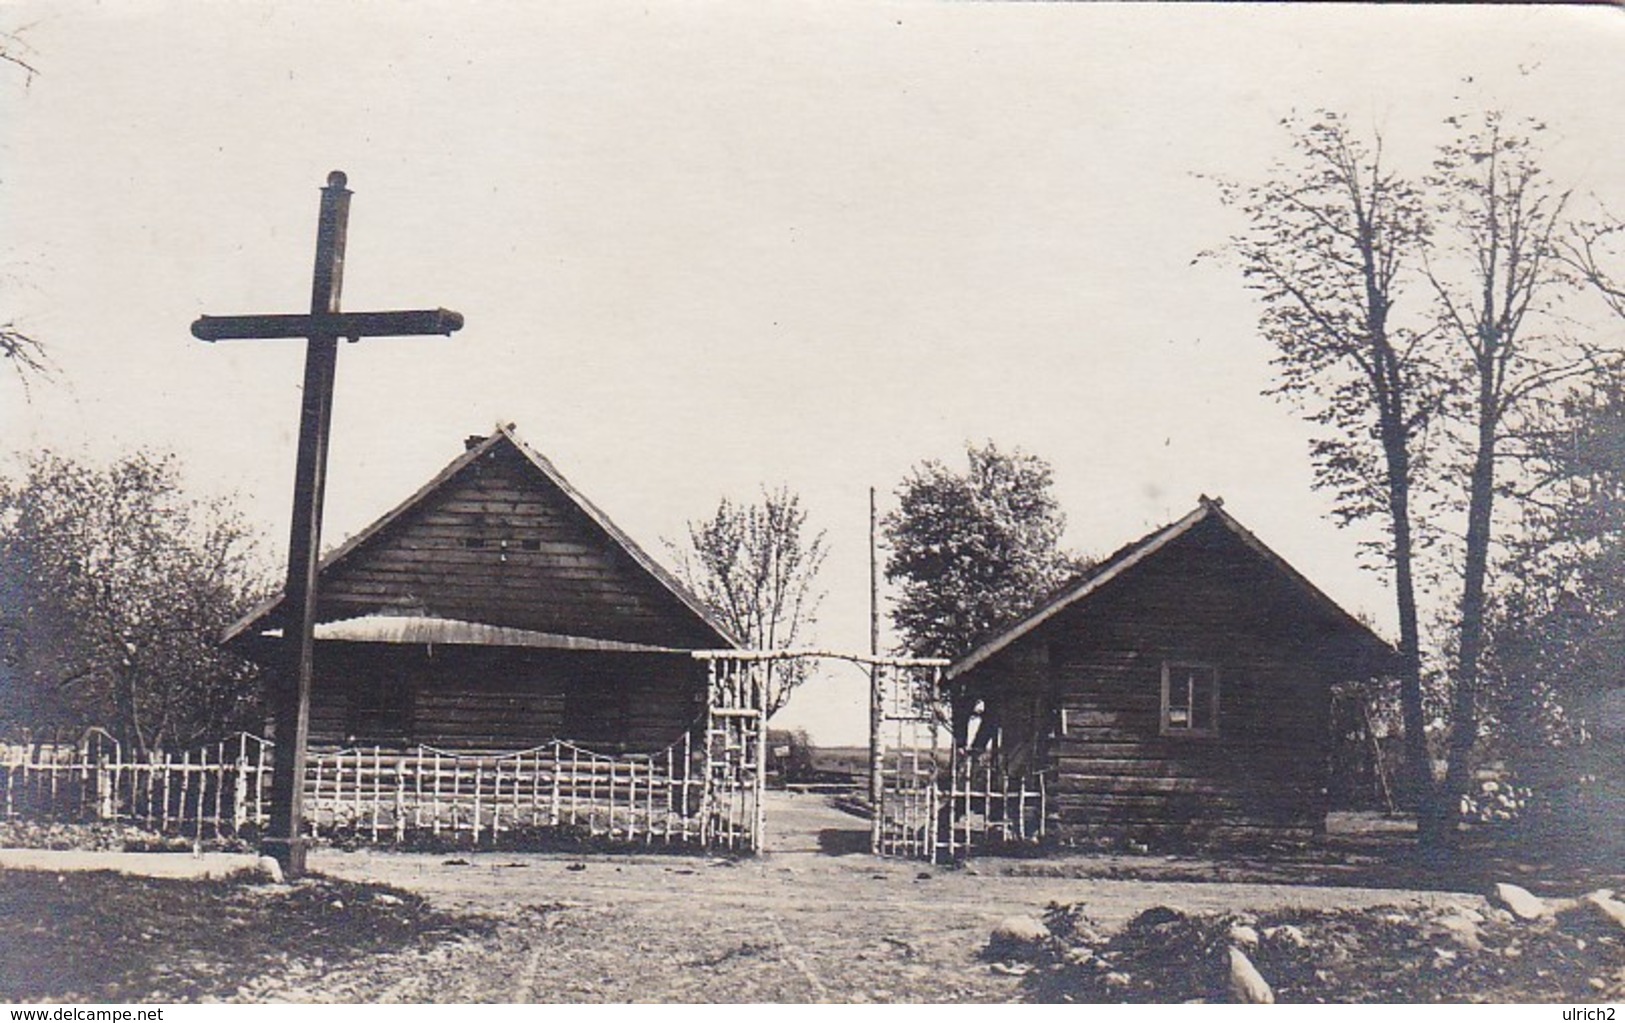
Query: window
(380,711)
(1190,699)
(596,710)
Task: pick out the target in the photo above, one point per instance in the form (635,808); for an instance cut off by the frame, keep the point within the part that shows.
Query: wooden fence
(216,791)
(989,809)
(685,794)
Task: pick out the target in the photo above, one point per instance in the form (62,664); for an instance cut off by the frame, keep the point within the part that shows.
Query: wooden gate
(911,753)
(735,750)
(933,799)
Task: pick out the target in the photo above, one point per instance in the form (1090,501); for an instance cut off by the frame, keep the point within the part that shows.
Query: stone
(1287,934)
(1465,912)
(1118,979)
(1243,936)
(1604,907)
(1247,985)
(1520,902)
(1018,931)
(386,899)
(1462,929)
(269,869)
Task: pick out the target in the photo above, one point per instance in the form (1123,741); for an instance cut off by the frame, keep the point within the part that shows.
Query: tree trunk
(1419,786)
(1464,699)
(1418,760)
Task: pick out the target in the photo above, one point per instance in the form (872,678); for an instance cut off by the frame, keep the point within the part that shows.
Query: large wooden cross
(291,684)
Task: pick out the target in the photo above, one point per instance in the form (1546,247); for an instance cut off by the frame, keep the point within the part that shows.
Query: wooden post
(186,786)
(259,782)
(104,790)
(290,687)
(877,789)
(435,816)
(356,812)
(759,826)
(377,789)
(285,839)
(400,801)
(496,799)
(553,805)
(219,787)
(688,780)
(708,794)
(239,796)
(417,789)
(163,807)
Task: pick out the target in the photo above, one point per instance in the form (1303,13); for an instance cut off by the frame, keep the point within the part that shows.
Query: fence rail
(687,793)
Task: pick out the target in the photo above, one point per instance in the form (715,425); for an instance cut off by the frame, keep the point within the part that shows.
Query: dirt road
(814,919)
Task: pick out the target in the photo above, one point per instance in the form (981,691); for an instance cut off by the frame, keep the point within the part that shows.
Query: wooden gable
(1199,583)
(501,539)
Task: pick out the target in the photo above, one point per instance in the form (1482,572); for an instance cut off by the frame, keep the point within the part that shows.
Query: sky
(706,247)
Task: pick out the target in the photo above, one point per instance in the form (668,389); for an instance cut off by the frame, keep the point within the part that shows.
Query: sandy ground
(813,919)
(141,864)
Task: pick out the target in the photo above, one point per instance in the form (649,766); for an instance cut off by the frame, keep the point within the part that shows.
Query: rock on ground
(1522,903)
(1247,985)
(1018,931)
(269,868)
(1604,906)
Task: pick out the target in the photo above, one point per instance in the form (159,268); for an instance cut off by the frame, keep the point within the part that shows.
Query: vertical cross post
(291,700)
(292,671)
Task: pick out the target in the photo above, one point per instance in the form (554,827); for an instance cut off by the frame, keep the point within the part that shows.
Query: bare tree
(756,566)
(1430,406)
(1334,249)
(14,50)
(1596,252)
(1499,278)
(20,349)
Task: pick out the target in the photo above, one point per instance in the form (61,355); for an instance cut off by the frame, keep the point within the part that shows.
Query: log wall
(500,543)
(487,699)
(1206,599)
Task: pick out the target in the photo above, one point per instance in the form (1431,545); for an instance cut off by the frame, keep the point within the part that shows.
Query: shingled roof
(1126,559)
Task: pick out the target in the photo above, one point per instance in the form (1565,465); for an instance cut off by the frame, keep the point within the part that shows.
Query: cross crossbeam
(353,326)
(322,327)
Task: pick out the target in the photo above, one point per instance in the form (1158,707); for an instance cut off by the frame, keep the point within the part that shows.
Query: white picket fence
(683,794)
(215,791)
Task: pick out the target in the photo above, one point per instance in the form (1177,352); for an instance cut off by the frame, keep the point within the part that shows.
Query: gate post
(759,697)
(104,789)
(239,795)
(877,789)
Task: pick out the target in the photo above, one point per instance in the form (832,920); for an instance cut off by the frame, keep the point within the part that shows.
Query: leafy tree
(1558,635)
(1334,247)
(114,589)
(756,566)
(973,552)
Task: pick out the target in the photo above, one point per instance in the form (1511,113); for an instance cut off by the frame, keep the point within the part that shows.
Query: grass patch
(108,937)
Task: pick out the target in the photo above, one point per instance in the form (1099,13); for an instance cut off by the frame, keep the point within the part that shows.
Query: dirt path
(796,924)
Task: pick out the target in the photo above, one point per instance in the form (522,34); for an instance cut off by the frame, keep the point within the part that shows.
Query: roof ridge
(1133,553)
(504,431)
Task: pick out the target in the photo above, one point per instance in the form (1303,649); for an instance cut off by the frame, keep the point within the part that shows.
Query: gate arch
(929,798)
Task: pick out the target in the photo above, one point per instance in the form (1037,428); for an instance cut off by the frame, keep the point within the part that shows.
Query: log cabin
(1176,692)
(493,610)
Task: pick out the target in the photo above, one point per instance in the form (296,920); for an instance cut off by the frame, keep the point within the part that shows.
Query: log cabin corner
(1176,693)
